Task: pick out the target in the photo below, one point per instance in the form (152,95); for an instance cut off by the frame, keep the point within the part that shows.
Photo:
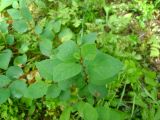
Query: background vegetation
(33,31)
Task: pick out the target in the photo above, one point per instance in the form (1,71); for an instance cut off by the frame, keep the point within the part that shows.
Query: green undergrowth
(79,60)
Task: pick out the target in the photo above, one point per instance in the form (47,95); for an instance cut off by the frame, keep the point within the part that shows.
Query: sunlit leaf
(4,4)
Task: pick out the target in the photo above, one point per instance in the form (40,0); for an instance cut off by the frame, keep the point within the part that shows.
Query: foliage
(91,60)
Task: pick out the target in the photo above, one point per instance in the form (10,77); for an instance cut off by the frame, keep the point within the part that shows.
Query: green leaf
(5,57)
(157,114)
(65,95)
(79,82)
(89,51)
(4,95)
(46,47)
(84,92)
(154,52)
(23,48)
(49,25)
(15,14)
(14,72)
(65,35)
(67,50)
(15,4)
(45,68)
(4,81)
(37,90)
(10,39)
(47,34)
(45,71)
(64,71)
(4,4)
(67,84)
(41,4)
(22,3)
(89,38)
(97,91)
(149,77)
(102,68)
(109,114)
(18,88)
(4,27)
(87,111)
(38,29)
(26,13)
(66,114)
(20,60)
(53,91)
(20,26)
(57,26)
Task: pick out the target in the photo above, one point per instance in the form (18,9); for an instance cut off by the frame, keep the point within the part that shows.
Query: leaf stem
(122,95)
(133,105)
(84,70)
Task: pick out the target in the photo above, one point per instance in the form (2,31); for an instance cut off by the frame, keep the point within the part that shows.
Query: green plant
(74,72)
(78,70)
(53,61)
